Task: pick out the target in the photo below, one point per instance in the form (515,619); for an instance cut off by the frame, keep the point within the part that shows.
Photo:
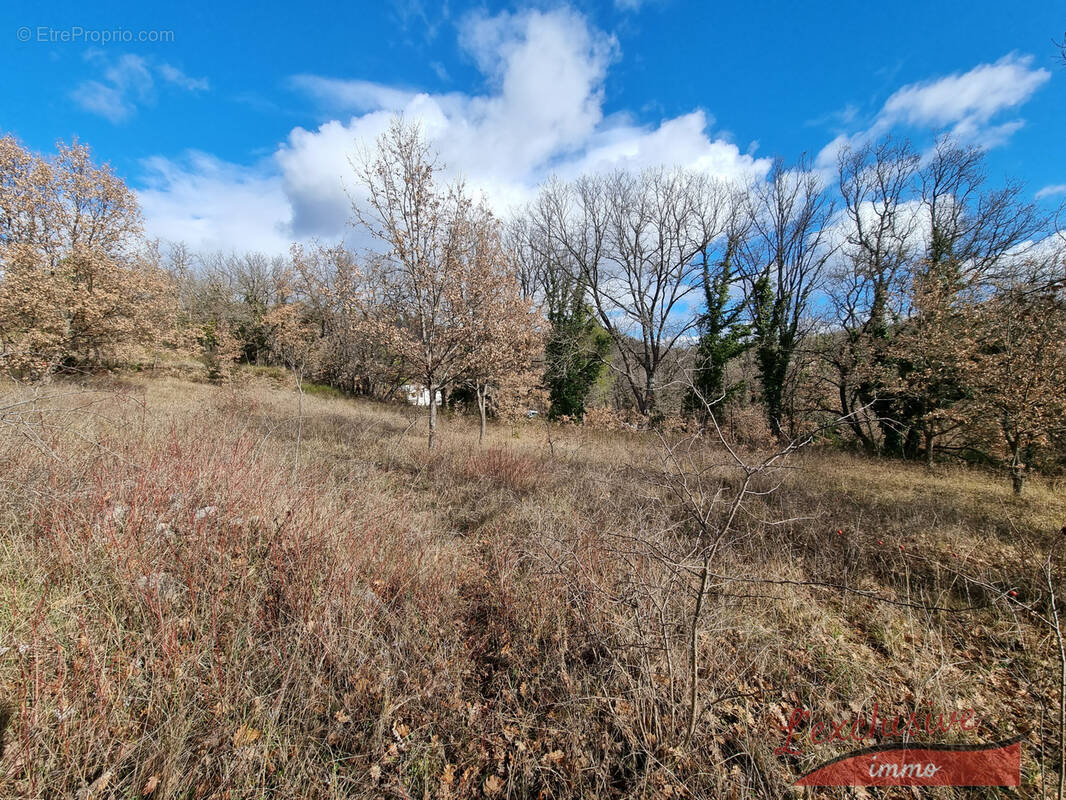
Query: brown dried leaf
(245,735)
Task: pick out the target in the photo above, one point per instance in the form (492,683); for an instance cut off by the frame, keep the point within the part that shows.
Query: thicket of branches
(906,294)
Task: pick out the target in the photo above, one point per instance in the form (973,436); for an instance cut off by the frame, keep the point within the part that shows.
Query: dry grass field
(184,614)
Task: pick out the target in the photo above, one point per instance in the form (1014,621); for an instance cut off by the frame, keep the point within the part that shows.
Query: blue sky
(236,128)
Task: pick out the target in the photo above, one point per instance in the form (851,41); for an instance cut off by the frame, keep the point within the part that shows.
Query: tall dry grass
(182,617)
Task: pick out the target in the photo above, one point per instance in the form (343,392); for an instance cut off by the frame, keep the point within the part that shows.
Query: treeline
(910,299)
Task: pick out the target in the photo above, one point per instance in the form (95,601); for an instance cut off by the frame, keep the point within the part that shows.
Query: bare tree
(972,229)
(783,261)
(975,241)
(636,243)
(525,250)
(870,280)
(345,298)
(576,346)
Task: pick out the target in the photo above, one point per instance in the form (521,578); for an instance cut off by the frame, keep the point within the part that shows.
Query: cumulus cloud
(126,83)
(215,205)
(541,113)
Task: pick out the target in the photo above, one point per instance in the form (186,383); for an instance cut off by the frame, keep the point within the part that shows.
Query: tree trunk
(693,651)
(649,395)
(1017,479)
(853,422)
(912,443)
(892,443)
(432,416)
(929,436)
(1017,467)
(482,391)
(773,412)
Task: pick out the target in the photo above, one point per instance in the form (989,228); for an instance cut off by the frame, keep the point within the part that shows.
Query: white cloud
(126,83)
(102,100)
(542,113)
(213,205)
(316,173)
(172,74)
(548,71)
(963,104)
(1051,191)
(351,95)
(681,140)
(440,71)
(969,99)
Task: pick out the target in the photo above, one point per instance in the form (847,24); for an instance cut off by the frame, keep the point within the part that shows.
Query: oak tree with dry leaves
(451,311)
(80,283)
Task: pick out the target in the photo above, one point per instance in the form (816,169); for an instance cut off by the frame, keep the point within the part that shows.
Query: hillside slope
(185,614)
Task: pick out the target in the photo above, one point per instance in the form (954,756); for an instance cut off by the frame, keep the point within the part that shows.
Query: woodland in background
(209,596)
(912,298)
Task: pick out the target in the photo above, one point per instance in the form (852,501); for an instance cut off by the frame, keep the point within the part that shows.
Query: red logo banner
(997,764)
